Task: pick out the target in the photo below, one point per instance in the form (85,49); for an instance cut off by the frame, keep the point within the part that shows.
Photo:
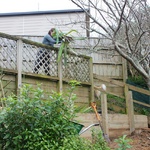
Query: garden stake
(93,104)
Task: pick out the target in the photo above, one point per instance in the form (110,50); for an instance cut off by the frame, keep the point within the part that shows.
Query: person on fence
(43,56)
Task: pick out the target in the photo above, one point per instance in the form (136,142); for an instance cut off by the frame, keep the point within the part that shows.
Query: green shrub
(98,141)
(33,124)
(78,143)
(138,80)
(123,143)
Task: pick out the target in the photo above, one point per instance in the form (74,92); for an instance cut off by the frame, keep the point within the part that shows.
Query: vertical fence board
(19,65)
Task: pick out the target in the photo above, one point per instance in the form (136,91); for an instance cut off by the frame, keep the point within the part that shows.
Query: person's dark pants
(43,59)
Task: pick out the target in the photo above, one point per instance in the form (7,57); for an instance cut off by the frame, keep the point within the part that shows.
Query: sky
(7,6)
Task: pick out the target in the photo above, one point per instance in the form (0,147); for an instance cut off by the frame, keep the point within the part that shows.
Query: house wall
(39,23)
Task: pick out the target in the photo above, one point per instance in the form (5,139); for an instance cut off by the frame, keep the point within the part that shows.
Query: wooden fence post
(124,69)
(130,111)
(91,80)
(104,113)
(126,91)
(19,65)
(60,82)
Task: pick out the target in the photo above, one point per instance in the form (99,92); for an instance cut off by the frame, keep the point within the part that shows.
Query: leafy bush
(123,143)
(138,80)
(98,141)
(78,143)
(35,124)
(31,123)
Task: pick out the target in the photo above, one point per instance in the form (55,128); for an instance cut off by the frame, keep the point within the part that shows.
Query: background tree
(126,23)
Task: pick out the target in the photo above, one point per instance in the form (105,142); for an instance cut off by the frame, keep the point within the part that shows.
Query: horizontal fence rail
(126,86)
(31,57)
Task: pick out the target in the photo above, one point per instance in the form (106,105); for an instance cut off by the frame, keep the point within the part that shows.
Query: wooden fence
(127,96)
(106,61)
(18,58)
(126,87)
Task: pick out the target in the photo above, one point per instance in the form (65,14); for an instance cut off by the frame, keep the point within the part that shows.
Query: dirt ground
(140,140)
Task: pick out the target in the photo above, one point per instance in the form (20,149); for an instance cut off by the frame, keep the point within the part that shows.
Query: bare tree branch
(127,24)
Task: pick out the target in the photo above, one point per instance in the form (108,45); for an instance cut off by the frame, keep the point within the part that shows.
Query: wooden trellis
(19,56)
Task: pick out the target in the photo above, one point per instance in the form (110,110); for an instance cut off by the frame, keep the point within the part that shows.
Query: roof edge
(41,12)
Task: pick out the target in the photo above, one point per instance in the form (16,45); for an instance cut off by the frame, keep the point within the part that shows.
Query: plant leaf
(71,32)
(60,51)
(65,54)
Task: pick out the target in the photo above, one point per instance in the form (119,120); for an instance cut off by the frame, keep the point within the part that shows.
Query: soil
(140,140)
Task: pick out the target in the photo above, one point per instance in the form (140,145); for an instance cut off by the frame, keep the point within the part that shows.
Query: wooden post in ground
(104,113)
(126,91)
(130,111)
(19,65)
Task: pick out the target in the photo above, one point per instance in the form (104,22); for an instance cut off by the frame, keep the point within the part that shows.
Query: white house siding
(39,23)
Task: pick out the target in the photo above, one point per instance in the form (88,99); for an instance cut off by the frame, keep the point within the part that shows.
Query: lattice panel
(39,60)
(77,68)
(8,53)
